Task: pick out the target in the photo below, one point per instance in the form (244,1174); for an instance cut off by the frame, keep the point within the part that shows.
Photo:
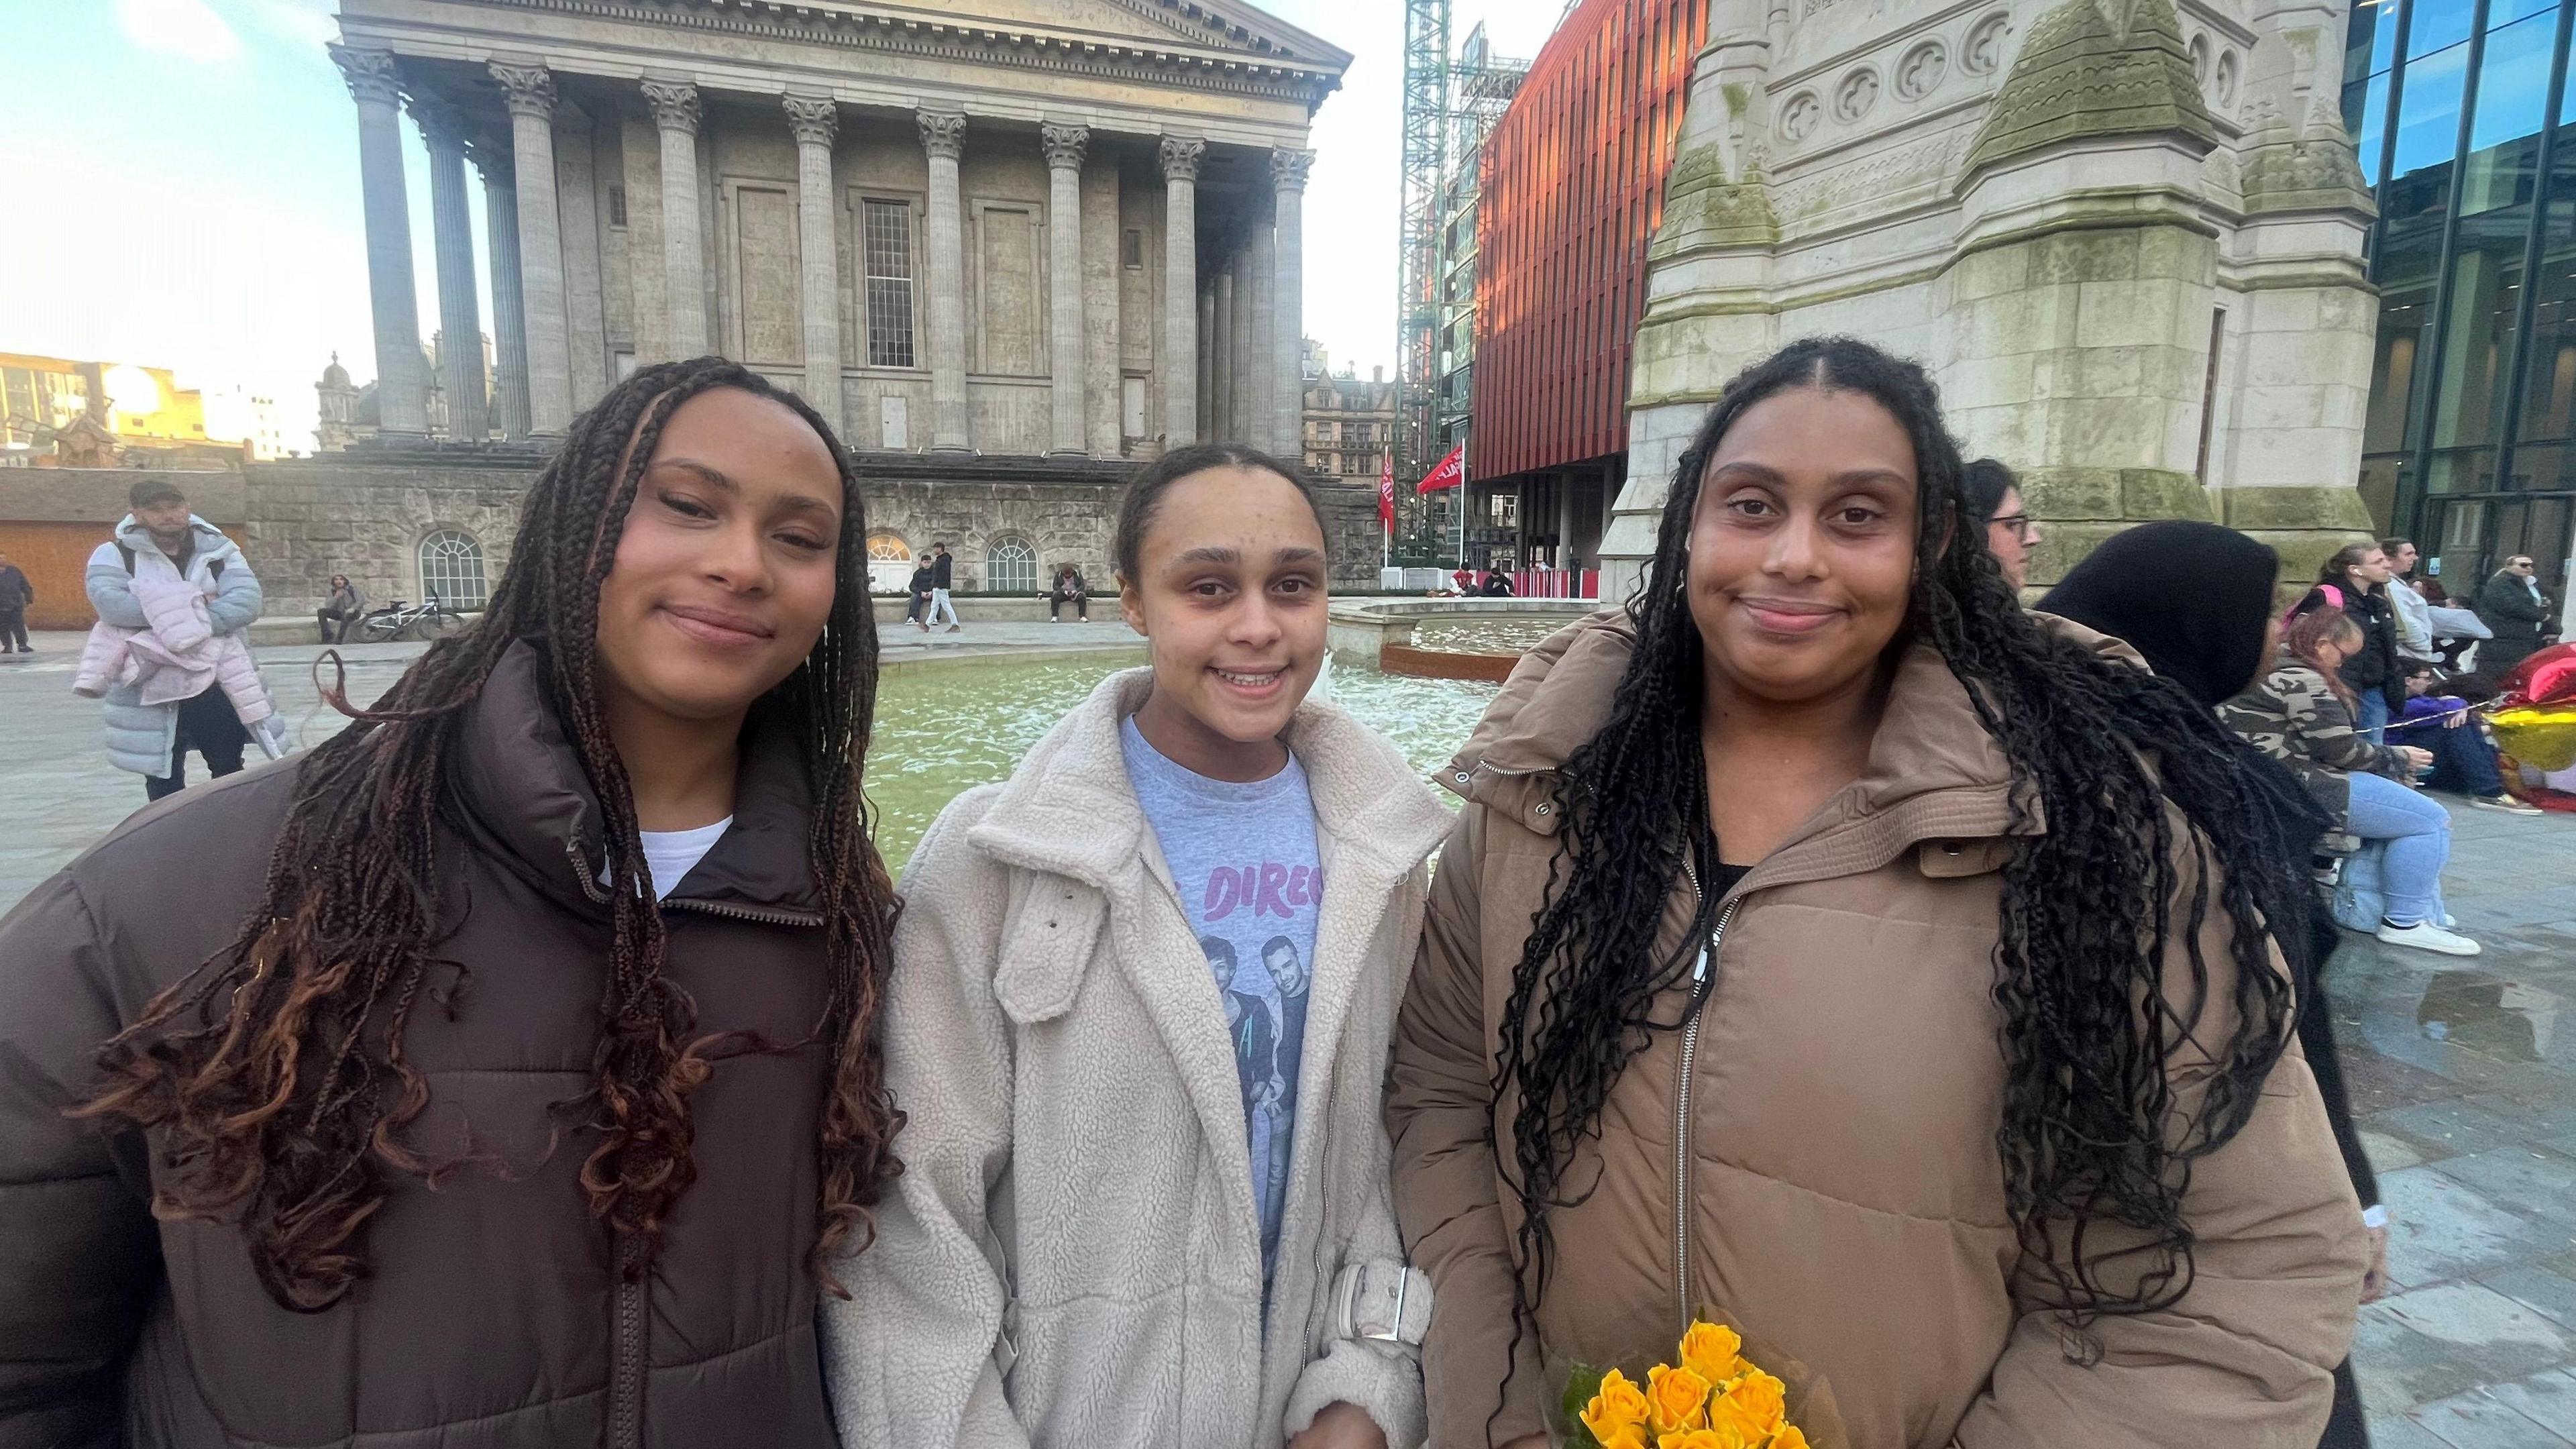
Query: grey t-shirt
(1243,857)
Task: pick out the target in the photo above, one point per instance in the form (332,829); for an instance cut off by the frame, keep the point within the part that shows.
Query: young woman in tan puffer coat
(1828,943)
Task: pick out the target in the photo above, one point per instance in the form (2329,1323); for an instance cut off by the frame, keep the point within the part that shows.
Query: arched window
(451,570)
(1010,566)
(889,563)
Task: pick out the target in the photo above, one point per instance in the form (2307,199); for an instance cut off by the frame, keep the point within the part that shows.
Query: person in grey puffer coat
(162,538)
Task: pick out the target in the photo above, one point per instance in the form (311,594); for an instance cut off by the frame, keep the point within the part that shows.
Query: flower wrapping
(1716,1392)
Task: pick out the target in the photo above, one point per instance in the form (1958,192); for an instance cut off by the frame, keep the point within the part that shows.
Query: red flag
(1451,472)
(1386,490)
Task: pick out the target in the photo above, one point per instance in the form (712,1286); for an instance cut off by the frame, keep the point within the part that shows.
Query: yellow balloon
(2542,736)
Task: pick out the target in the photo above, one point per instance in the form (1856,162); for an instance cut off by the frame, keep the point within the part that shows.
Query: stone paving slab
(2463,1070)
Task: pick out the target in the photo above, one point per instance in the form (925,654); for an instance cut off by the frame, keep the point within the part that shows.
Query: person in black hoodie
(2196,600)
(943,575)
(2355,580)
(918,610)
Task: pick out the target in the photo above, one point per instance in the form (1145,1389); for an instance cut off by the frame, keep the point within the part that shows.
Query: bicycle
(402,619)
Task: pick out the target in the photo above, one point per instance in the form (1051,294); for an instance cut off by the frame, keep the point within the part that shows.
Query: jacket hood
(1929,743)
(1069,808)
(519,779)
(210,540)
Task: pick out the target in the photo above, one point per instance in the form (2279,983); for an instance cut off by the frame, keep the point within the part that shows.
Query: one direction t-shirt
(1244,859)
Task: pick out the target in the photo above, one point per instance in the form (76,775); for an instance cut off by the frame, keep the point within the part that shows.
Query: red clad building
(1572,189)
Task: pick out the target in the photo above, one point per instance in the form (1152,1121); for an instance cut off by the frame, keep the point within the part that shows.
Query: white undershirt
(669,855)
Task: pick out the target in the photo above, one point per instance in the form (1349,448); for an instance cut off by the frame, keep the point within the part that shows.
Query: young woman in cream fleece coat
(1073,1256)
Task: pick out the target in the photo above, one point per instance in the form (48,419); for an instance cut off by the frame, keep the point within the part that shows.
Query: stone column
(460,307)
(509,307)
(1238,401)
(1181,156)
(1065,146)
(585,256)
(1288,310)
(529,93)
(816,120)
(1261,355)
(1229,424)
(402,379)
(1203,369)
(684,253)
(943,137)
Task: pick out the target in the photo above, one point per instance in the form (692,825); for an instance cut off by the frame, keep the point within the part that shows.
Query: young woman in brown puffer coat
(1827,942)
(493,1073)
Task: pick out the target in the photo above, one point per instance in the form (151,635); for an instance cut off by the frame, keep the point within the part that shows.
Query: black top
(943,567)
(1723,878)
(922,579)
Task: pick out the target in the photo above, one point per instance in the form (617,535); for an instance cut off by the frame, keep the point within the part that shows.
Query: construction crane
(1452,99)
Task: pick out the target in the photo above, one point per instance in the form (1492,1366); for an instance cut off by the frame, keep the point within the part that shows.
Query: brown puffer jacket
(1846,1199)
(487,1322)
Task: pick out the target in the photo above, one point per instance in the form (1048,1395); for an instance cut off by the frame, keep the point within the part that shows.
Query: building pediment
(1171,40)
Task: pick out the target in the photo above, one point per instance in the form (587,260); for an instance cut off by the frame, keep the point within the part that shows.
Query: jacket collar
(519,780)
(1069,809)
(1934,772)
(205,541)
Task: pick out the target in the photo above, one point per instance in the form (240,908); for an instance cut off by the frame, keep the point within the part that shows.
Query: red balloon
(2548,677)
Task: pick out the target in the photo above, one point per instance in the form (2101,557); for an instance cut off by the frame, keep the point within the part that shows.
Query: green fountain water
(941,731)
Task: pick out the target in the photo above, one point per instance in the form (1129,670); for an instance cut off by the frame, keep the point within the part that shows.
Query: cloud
(189,29)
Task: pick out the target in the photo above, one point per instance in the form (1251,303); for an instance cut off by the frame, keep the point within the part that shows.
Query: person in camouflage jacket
(2296,717)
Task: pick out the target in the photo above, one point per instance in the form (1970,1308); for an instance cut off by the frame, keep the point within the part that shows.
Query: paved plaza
(2465,1089)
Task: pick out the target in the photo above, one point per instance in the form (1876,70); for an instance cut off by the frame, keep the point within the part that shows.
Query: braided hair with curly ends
(274,1076)
(2091,1128)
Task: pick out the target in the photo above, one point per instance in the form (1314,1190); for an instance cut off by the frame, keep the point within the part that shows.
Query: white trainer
(2425,936)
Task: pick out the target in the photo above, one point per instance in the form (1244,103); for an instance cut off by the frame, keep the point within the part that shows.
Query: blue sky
(191,179)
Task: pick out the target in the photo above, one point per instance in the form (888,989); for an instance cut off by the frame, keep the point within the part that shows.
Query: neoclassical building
(2126,237)
(1016,242)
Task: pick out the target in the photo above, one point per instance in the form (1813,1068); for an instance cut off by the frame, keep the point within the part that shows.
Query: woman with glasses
(1994,495)
(2513,606)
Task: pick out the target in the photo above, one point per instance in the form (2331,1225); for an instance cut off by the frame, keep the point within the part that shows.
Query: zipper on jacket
(766,915)
(1682,1103)
(626,1371)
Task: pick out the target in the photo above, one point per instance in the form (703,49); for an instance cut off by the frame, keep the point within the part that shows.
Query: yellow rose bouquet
(1711,1397)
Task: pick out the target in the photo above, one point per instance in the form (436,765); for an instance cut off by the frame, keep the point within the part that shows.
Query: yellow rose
(1675,1398)
(1710,1350)
(1791,1437)
(1762,1398)
(1618,1405)
(1739,1424)
(1631,1437)
(1706,1439)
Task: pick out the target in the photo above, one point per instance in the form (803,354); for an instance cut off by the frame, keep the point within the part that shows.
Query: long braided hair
(275,1076)
(2091,1129)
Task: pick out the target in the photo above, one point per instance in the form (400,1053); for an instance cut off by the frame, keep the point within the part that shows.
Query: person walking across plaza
(501,1070)
(943,577)
(1068,587)
(341,610)
(16,593)
(1828,941)
(2512,605)
(1139,1019)
(161,544)
(916,609)
(2355,581)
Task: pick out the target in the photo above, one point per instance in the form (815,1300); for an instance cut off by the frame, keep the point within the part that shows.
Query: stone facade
(2124,237)
(925,229)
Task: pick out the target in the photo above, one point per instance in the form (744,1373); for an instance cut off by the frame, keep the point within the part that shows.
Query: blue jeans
(2418,832)
(2372,716)
(2463,762)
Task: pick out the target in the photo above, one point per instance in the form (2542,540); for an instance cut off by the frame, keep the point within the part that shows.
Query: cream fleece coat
(1071,1257)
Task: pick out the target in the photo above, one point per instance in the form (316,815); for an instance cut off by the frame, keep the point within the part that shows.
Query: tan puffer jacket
(1846,1199)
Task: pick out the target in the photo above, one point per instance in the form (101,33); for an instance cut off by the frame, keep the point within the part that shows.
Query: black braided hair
(2091,1129)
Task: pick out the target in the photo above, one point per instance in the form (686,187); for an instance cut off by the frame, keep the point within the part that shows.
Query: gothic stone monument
(2125,237)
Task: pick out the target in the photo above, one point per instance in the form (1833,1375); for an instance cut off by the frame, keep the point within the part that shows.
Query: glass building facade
(2467,132)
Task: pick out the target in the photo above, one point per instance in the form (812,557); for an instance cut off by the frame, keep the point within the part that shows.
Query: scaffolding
(1452,100)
